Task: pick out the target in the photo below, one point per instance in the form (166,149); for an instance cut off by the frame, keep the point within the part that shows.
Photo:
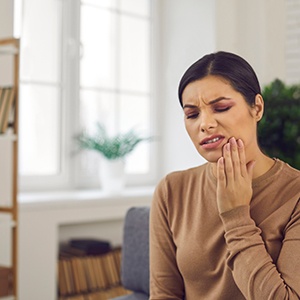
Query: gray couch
(135,254)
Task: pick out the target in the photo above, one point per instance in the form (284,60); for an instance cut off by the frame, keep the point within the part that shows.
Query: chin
(211,157)
(214,161)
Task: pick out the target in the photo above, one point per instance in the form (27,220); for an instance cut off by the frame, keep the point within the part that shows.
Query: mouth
(212,142)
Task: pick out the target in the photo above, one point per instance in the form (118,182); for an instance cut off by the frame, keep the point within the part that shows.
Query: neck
(263,164)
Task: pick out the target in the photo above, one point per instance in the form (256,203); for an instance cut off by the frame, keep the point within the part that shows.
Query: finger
(228,164)
(235,158)
(250,168)
(242,155)
(221,173)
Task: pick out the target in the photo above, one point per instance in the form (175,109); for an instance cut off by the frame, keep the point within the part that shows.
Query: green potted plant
(114,150)
(279,129)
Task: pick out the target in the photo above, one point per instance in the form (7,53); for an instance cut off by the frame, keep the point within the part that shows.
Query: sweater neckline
(274,170)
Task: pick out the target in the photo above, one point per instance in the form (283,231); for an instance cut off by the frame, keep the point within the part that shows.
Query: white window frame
(62,179)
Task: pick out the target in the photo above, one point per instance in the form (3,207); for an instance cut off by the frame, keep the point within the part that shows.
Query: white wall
(254,29)
(187,33)
(6,18)
(6,31)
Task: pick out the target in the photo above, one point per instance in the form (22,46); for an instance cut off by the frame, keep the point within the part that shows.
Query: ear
(258,107)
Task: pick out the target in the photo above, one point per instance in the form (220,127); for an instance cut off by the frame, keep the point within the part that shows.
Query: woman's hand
(234,177)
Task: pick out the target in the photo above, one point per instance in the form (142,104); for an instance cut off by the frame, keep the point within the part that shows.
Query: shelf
(8,136)
(9,161)
(6,209)
(8,50)
(9,46)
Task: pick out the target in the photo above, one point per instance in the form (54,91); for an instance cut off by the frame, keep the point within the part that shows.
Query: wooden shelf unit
(11,46)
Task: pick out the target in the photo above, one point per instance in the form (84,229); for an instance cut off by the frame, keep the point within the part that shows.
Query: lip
(214,144)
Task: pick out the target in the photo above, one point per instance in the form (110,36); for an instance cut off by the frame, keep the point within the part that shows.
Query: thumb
(250,167)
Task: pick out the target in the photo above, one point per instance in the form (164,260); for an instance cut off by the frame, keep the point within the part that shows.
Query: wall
(187,33)
(254,29)
(6,18)
(6,30)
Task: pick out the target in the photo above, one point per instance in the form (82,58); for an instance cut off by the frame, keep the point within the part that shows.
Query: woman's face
(215,112)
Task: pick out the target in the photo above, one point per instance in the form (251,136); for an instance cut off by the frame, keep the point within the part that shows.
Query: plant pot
(112,175)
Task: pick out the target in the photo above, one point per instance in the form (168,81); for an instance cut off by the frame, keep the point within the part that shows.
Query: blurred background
(119,62)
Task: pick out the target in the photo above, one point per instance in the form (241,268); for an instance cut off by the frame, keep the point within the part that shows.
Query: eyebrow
(210,102)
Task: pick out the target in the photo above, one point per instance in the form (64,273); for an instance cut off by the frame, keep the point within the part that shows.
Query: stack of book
(89,270)
(7,97)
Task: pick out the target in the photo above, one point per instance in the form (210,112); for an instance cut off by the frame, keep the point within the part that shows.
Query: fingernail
(232,141)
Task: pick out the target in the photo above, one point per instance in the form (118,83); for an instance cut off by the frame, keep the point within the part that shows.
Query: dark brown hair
(236,70)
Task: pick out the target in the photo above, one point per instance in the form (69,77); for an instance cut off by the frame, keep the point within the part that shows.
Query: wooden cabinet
(9,88)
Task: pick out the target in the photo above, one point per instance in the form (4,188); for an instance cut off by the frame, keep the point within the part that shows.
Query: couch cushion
(135,250)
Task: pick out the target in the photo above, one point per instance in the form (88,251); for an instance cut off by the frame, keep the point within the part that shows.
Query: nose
(207,122)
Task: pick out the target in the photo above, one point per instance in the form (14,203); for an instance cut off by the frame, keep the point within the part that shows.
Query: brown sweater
(246,253)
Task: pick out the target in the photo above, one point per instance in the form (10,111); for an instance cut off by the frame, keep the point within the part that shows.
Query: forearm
(253,269)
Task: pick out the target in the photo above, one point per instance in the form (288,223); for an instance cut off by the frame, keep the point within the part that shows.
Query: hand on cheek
(234,177)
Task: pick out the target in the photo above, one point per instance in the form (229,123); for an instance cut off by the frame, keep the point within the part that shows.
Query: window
(82,62)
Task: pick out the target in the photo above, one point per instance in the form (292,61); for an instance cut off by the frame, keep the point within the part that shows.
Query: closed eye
(192,116)
(222,109)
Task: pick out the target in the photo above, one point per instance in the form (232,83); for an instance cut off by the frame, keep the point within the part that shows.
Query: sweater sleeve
(165,279)
(254,271)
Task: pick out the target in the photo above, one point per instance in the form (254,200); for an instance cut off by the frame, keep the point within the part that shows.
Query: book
(89,276)
(90,273)
(62,283)
(68,251)
(7,109)
(7,97)
(111,269)
(101,274)
(75,275)
(3,97)
(91,246)
(2,90)
(68,274)
(81,274)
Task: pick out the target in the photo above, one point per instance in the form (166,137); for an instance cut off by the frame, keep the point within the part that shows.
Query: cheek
(192,129)
(243,127)
(239,121)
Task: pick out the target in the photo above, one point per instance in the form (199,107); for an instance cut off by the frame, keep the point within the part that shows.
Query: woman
(228,229)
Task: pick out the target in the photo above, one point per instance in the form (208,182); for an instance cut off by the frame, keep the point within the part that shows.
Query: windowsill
(71,198)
